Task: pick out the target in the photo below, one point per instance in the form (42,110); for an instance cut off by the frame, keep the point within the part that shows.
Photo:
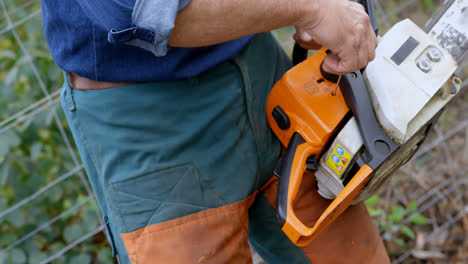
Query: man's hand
(343,27)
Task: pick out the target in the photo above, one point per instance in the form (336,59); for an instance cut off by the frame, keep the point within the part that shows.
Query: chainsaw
(355,130)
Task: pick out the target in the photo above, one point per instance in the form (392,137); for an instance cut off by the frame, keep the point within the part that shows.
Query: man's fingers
(311,44)
(302,36)
(358,7)
(361,48)
(371,44)
(346,30)
(333,64)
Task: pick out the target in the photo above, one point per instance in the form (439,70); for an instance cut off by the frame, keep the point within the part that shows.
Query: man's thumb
(331,64)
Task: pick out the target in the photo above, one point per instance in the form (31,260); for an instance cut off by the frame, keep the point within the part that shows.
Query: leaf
(36,256)
(376,212)
(80,259)
(397,214)
(11,76)
(400,242)
(7,239)
(13,139)
(35,150)
(50,116)
(16,218)
(104,255)
(412,206)
(384,225)
(44,134)
(72,233)
(4,172)
(418,219)
(89,220)
(8,139)
(372,201)
(57,246)
(18,256)
(406,231)
(32,248)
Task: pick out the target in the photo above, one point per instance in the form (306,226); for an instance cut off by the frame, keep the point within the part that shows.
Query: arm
(207,22)
(340,25)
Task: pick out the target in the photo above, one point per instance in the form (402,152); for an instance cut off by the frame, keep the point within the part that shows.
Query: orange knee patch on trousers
(218,235)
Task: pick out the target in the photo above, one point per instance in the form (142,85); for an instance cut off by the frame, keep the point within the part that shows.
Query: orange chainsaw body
(305,110)
(314,105)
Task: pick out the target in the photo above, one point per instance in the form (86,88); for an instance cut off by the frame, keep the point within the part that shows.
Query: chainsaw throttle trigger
(312,164)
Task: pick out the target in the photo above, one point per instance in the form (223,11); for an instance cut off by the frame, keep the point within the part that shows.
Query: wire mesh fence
(22,230)
(47,208)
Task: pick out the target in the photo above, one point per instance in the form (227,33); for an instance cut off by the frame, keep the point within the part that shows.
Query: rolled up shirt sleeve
(146,24)
(159,16)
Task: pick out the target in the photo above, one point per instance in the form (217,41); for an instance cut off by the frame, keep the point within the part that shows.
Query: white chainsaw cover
(406,96)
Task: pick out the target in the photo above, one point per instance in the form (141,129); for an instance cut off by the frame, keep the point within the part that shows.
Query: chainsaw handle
(290,170)
(291,167)
(299,54)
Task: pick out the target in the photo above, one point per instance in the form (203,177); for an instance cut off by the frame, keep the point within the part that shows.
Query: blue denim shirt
(125,40)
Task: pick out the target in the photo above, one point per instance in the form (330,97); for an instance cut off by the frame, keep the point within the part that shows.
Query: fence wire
(434,195)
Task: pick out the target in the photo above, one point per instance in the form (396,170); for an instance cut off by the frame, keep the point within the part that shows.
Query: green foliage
(80,259)
(393,220)
(17,256)
(372,201)
(397,214)
(406,231)
(418,219)
(33,154)
(400,242)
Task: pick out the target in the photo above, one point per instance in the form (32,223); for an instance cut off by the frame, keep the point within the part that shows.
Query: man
(166,102)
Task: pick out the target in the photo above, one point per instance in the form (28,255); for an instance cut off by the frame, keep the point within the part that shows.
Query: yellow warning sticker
(339,159)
